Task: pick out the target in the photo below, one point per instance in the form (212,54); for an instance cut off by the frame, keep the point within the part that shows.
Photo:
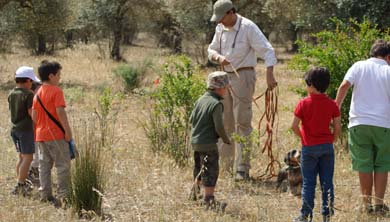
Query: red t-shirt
(45,129)
(316,113)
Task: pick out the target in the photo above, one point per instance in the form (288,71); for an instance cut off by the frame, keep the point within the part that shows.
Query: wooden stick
(235,71)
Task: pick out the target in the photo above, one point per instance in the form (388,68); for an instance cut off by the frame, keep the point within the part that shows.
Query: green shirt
(19,102)
(207,123)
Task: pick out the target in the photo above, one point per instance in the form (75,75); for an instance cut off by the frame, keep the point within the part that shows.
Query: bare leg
(366,183)
(380,182)
(24,167)
(209,191)
(18,165)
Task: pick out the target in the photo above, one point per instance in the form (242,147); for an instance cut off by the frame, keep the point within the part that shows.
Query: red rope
(269,115)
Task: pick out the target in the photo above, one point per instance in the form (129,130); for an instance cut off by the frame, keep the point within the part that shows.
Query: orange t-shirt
(45,129)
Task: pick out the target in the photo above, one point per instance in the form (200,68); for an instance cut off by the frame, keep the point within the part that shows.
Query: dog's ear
(287,158)
(297,154)
(293,152)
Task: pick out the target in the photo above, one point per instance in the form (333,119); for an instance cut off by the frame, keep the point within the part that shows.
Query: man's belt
(242,69)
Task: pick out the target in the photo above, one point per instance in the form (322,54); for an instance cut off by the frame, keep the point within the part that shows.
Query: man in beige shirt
(236,42)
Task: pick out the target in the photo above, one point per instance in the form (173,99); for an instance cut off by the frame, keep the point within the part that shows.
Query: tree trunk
(69,39)
(41,45)
(296,37)
(117,31)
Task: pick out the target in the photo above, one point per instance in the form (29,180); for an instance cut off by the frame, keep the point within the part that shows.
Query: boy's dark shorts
(24,142)
(206,163)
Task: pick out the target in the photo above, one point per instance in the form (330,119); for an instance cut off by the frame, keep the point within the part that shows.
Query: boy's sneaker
(213,204)
(241,176)
(381,210)
(23,189)
(33,175)
(302,218)
(366,209)
(52,200)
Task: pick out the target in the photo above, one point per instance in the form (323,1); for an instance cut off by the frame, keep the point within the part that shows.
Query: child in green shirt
(20,101)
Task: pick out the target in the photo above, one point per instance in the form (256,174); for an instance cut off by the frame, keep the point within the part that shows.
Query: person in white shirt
(235,44)
(369,123)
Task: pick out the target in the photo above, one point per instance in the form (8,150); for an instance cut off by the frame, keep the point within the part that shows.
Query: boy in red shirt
(316,112)
(51,141)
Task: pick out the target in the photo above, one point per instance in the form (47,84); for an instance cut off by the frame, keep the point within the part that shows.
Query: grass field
(143,186)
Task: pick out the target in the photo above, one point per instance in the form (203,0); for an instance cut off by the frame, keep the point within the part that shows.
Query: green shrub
(131,75)
(107,110)
(74,94)
(338,50)
(88,180)
(168,127)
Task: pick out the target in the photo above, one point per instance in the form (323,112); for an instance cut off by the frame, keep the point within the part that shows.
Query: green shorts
(370,148)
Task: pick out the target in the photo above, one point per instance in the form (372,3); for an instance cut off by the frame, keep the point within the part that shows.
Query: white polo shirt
(248,40)
(370,103)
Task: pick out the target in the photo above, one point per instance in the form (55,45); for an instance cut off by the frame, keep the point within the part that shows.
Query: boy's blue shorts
(24,142)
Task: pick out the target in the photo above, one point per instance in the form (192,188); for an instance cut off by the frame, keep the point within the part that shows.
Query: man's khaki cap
(220,9)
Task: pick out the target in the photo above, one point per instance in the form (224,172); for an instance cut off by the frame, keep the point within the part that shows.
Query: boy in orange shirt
(51,140)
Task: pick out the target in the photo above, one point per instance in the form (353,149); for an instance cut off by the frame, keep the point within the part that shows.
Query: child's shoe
(23,189)
(241,176)
(366,209)
(33,175)
(302,218)
(52,200)
(381,210)
(211,203)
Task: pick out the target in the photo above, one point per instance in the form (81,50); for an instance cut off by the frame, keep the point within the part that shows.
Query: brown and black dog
(291,173)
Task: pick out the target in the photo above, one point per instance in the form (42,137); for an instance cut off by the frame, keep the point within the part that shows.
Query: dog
(292,173)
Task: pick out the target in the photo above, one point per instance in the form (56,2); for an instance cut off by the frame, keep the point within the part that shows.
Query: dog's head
(292,158)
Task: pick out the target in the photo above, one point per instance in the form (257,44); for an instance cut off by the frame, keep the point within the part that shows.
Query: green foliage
(248,142)
(89,178)
(42,23)
(337,50)
(74,94)
(8,26)
(117,20)
(107,112)
(374,11)
(193,18)
(168,128)
(132,74)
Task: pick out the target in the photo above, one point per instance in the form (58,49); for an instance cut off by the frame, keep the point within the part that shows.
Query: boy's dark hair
(319,78)
(35,85)
(22,80)
(46,68)
(380,48)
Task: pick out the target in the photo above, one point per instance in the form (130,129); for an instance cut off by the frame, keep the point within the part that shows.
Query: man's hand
(222,60)
(271,82)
